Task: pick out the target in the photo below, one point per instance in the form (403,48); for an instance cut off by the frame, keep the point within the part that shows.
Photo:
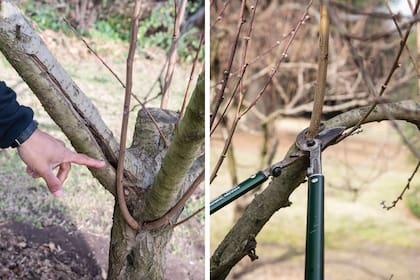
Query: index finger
(83,159)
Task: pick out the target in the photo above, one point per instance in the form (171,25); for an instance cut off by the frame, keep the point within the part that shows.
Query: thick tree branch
(234,247)
(60,96)
(183,151)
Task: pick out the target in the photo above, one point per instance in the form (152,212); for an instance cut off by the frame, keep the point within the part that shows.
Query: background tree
(270,72)
(161,168)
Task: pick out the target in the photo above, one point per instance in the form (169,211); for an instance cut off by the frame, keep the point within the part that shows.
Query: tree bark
(63,100)
(187,144)
(140,255)
(240,240)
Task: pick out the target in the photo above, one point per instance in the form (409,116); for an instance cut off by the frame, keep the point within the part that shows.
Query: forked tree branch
(239,111)
(302,20)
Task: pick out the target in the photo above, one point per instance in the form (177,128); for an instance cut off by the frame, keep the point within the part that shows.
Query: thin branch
(118,79)
(238,116)
(129,82)
(400,197)
(189,217)
(219,16)
(172,54)
(197,54)
(411,6)
(302,20)
(383,34)
(243,66)
(165,219)
(259,57)
(324,30)
(366,76)
(146,96)
(232,96)
(226,73)
(394,19)
(225,149)
(355,11)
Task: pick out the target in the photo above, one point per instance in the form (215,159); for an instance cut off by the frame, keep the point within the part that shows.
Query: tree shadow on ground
(290,253)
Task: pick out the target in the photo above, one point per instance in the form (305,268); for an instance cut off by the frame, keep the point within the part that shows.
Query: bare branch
(368,80)
(165,219)
(383,34)
(407,186)
(184,101)
(226,73)
(172,54)
(355,11)
(241,95)
(118,79)
(220,15)
(190,216)
(394,19)
(324,32)
(129,82)
(302,20)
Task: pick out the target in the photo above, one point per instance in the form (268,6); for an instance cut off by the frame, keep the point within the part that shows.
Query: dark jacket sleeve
(14,118)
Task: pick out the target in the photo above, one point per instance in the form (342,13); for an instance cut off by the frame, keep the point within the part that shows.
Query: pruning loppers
(323,139)
(314,257)
(312,148)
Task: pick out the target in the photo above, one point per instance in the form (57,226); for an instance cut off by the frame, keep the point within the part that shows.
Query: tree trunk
(155,177)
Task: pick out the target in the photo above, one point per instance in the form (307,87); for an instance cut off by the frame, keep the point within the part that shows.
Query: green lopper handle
(314,259)
(237,191)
